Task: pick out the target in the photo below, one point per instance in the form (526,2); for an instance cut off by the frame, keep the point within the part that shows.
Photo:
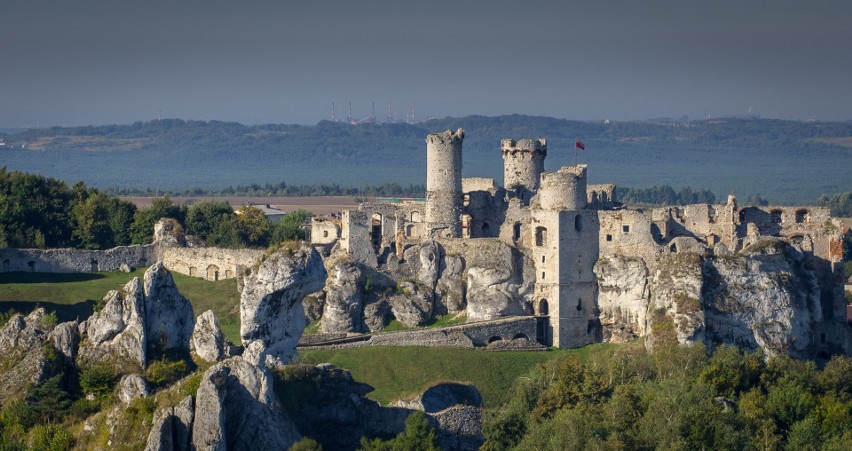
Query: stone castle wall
(76,260)
(211,263)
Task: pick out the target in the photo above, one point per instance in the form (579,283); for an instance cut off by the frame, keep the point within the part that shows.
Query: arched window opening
(540,236)
(673,247)
(486,229)
(802,216)
(543,308)
(775,216)
(516,231)
(415,216)
(213,272)
(409,230)
(94,264)
(579,304)
(578,223)
(493,339)
(521,337)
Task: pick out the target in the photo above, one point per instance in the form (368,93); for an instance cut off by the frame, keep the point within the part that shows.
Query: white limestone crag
(236,409)
(412,305)
(623,294)
(208,342)
(271,314)
(145,314)
(495,292)
(21,347)
(344,301)
(765,299)
(117,331)
(171,428)
(132,386)
(169,320)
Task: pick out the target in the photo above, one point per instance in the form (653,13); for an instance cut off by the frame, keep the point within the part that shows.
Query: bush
(98,380)
(164,372)
(50,437)
(306,444)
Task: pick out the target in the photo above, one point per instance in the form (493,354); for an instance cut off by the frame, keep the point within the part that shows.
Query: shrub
(50,437)
(166,372)
(98,380)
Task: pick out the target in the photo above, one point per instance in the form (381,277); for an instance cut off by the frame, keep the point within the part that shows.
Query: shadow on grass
(64,312)
(44,277)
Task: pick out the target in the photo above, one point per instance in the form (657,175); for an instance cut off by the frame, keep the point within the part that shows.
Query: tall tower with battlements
(523,163)
(443,184)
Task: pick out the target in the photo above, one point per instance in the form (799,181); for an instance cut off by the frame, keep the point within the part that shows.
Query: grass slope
(74,295)
(405,371)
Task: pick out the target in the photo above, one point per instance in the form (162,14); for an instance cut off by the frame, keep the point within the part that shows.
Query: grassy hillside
(75,295)
(403,372)
(785,161)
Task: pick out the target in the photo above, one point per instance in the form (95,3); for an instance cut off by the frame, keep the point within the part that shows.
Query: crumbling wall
(76,260)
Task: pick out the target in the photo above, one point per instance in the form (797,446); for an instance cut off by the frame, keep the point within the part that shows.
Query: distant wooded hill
(784,161)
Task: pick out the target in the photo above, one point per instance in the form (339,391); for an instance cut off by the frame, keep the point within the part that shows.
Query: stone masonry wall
(211,263)
(443,183)
(76,260)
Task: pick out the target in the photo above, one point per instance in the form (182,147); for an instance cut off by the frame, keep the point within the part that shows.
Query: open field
(75,295)
(405,371)
(319,205)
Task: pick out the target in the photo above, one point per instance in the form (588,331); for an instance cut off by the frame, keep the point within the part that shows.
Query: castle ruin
(563,234)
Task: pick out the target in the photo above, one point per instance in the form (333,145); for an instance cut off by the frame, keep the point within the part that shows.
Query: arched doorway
(543,308)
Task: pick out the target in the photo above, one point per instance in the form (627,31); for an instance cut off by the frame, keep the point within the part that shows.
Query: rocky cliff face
(208,342)
(271,314)
(763,298)
(623,293)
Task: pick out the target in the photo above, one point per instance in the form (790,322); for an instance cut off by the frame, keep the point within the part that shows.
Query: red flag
(580,145)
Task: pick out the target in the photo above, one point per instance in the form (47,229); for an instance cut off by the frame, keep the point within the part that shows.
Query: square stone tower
(565,248)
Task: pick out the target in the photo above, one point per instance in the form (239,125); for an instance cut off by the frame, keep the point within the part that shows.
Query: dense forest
(42,212)
(787,161)
(678,398)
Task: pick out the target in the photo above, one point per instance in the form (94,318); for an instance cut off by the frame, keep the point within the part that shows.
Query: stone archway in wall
(213,272)
(376,230)
(543,308)
(193,271)
(94,265)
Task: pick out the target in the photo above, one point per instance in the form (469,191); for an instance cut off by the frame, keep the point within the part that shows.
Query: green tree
(203,218)
(290,227)
(253,226)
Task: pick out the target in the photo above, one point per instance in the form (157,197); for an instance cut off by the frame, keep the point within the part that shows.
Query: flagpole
(575,150)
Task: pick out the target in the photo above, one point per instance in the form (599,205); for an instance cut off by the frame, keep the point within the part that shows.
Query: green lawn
(74,295)
(405,371)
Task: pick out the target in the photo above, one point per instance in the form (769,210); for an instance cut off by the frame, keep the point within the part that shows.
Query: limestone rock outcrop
(623,294)
(413,304)
(208,342)
(169,319)
(344,302)
(495,292)
(450,287)
(171,429)
(21,347)
(132,386)
(376,314)
(141,315)
(117,331)
(236,409)
(676,299)
(765,299)
(169,233)
(271,314)
(66,338)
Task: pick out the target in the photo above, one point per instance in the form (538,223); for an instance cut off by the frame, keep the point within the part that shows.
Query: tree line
(41,212)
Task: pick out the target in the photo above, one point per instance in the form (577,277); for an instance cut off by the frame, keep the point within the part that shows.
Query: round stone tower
(564,189)
(523,163)
(443,184)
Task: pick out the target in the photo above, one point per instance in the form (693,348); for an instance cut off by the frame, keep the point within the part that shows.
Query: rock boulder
(271,314)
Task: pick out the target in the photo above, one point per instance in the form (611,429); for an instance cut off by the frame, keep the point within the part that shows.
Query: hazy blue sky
(97,62)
